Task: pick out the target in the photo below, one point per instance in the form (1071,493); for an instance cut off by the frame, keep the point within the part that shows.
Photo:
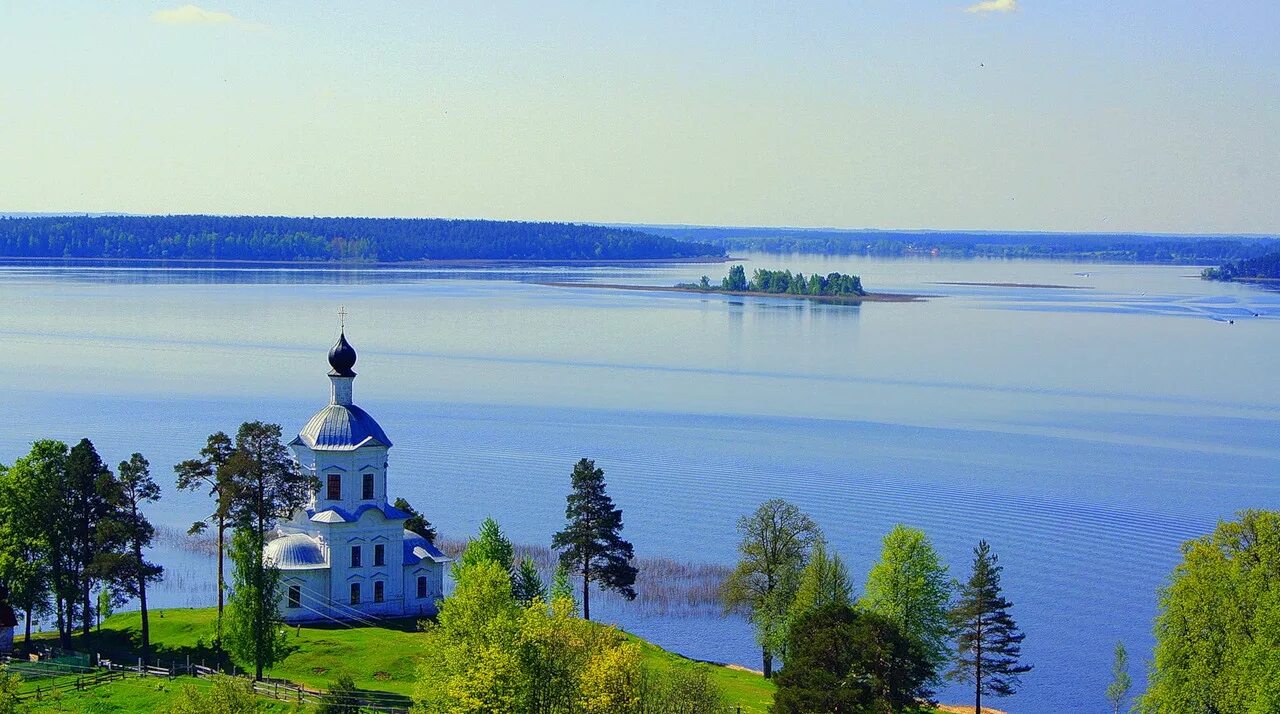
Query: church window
(335,487)
(377,591)
(355,593)
(422,586)
(295,596)
(355,556)
(368,487)
(379,555)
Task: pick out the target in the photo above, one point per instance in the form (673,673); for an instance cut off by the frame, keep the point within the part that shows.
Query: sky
(1065,115)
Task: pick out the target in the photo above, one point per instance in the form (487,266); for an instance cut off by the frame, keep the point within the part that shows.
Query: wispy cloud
(986,6)
(192,15)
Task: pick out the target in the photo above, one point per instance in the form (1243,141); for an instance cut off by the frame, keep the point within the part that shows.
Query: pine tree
(135,487)
(416,523)
(87,478)
(1121,682)
(989,641)
(210,471)
(266,485)
(590,544)
(527,585)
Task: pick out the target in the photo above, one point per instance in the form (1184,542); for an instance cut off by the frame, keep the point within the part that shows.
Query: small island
(832,288)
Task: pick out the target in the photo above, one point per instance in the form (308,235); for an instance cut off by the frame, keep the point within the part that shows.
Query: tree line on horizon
(1126,247)
(280,238)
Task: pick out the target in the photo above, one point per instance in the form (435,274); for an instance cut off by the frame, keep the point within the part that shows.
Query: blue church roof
(337,514)
(295,552)
(340,427)
(417,548)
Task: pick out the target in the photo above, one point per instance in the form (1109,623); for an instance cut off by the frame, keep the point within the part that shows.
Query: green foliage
(1218,630)
(783,281)
(265,482)
(312,239)
(227,695)
(10,687)
(342,697)
(1265,267)
(1121,682)
(910,588)
(561,586)
(591,544)
(490,545)
(106,606)
(487,653)
(255,634)
(211,471)
(527,584)
(684,690)
(824,581)
(736,280)
(26,538)
(987,638)
(842,660)
(775,545)
(87,489)
(416,523)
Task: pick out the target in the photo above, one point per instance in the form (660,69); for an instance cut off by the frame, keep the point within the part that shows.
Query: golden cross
(342,317)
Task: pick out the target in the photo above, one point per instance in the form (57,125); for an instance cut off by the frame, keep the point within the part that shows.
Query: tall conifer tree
(988,640)
(267,486)
(134,488)
(210,471)
(590,544)
(87,489)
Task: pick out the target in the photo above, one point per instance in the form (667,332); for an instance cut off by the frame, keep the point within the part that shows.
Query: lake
(1086,433)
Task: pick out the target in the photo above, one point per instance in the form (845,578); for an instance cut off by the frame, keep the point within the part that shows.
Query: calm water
(1084,433)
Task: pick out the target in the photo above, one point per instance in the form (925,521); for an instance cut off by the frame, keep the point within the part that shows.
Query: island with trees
(346,239)
(836,288)
(1262,269)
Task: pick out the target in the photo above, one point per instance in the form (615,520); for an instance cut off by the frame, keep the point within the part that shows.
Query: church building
(346,555)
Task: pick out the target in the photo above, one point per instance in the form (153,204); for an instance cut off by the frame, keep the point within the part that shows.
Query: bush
(227,695)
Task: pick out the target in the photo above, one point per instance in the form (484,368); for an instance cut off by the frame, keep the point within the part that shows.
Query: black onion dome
(342,357)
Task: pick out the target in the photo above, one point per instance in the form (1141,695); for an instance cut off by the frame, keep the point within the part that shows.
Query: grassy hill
(379,659)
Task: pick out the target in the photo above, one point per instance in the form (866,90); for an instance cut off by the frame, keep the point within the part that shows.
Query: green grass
(132,694)
(379,659)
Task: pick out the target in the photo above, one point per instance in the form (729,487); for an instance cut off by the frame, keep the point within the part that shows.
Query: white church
(346,555)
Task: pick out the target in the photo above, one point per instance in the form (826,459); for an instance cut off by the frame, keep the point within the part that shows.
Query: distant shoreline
(834,299)
(330,264)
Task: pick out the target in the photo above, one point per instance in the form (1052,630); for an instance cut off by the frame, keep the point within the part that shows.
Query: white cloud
(192,15)
(993,6)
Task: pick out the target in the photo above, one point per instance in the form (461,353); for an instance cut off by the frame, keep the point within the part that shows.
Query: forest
(1265,267)
(1112,247)
(277,238)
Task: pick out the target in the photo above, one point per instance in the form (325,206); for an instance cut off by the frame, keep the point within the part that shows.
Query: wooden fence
(51,677)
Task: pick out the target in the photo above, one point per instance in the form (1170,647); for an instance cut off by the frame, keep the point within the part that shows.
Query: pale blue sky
(1081,115)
